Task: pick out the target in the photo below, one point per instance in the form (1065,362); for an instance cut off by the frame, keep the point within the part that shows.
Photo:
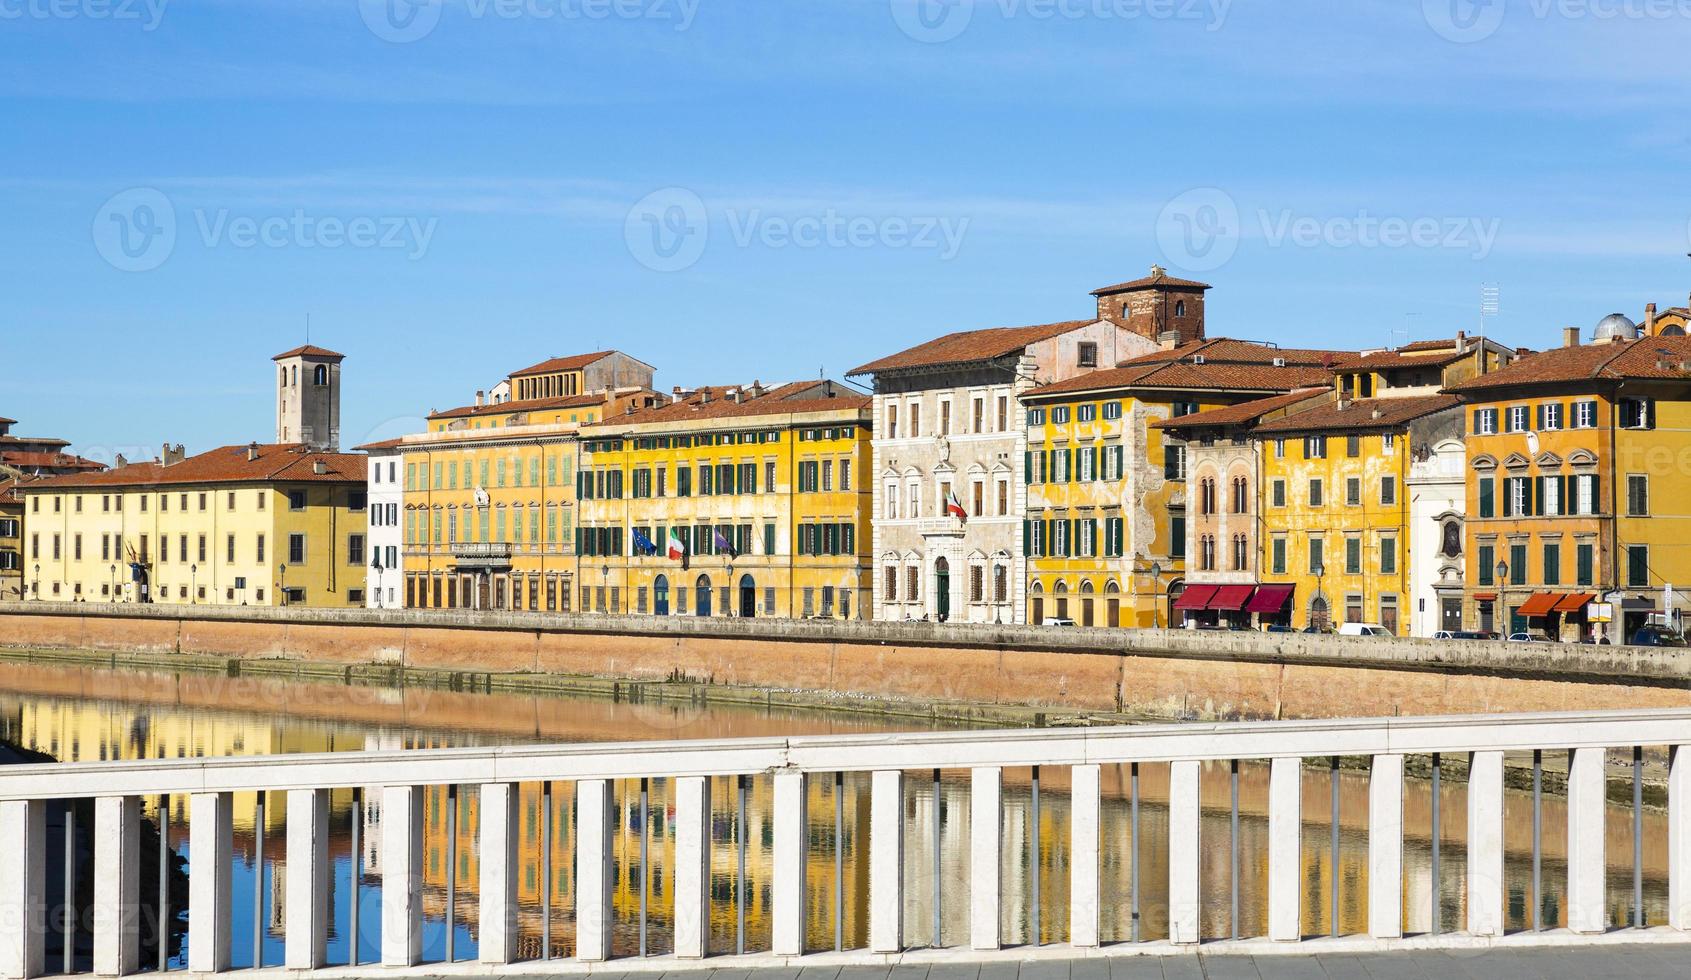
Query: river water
(84,713)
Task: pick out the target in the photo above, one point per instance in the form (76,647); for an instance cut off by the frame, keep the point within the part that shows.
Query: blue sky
(735,190)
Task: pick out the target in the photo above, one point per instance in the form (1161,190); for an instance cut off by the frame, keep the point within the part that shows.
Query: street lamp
(282,570)
(605,580)
(376,563)
(1157,595)
(38,583)
(1320,593)
(1502,569)
(194,585)
(114,582)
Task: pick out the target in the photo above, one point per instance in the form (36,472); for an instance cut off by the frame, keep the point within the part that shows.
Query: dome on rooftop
(1615,326)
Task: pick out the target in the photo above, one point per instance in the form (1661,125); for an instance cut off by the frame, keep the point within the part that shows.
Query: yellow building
(1107,488)
(764,490)
(1575,460)
(489,490)
(24,458)
(239,525)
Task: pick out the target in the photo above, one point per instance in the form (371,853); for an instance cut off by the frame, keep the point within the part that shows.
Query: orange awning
(1541,604)
(1196,597)
(1576,602)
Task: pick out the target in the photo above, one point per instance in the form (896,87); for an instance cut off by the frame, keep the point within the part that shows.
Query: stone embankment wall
(1164,673)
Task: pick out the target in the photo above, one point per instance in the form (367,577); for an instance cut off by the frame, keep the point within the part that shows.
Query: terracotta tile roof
(530,405)
(31,441)
(376,447)
(1424,345)
(285,463)
(1228,365)
(1648,358)
(1365,413)
(574,362)
(1241,413)
(1403,357)
(1157,278)
(797,398)
(970,345)
(6,421)
(47,461)
(309,351)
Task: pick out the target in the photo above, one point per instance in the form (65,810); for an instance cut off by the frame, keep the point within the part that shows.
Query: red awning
(1271,599)
(1540,604)
(1196,597)
(1485,597)
(1575,603)
(1231,598)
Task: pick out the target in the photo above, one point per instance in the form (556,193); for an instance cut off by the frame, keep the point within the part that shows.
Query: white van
(1362,629)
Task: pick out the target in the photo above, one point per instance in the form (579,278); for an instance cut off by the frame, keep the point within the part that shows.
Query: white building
(1437,503)
(385,573)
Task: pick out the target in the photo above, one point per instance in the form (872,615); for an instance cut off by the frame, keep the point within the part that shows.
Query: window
(1585,415)
(1585,563)
(1277,556)
(258,552)
(1388,443)
(1388,555)
(1088,355)
(1517,418)
(1003,413)
(1353,492)
(1388,490)
(1637,495)
(1174,462)
(1315,447)
(1087,412)
(1353,555)
(1277,493)
(1485,421)
(1112,411)
(1279,449)
(1315,493)
(1317,557)
(296,499)
(1518,502)
(945,417)
(1484,557)
(1353,446)
(1585,494)
(1517,564)
(915,420)
(1552,563)
(1638,566)
(1487,488)
(1036,416)
(296,549)
(977,416)
(355,549)
(1637,413)
(1550,416)
(1060,415)
(1177,537)
(1550,492)
(912,584)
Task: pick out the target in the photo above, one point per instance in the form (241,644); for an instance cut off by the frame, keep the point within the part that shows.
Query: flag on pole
(954,507)
(677,550)
(643,543)
(724,544)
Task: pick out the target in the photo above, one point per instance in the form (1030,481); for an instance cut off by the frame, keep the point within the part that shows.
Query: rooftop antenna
(1405,331)
(308,329)
(1491,305)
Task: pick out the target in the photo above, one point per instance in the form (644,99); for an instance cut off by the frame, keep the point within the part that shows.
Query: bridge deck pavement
(1619,962)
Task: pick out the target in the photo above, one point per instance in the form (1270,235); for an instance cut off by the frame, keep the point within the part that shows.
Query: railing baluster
(645,847)
(67,931)
(355,874)
(402,875)
(1185,824)
(117,885)
(1587,911)
(451,872)
(692,867)
(939,888)
(1233,848)
(306,914)
(1333,848)
(741,791)
(986,833)
(839,861)
(1035,934)
(546,870)
(1485,843)
(1679,837)
(211,853)
(1285,848)
(1437,884)
(792,840)
(1385,847)
(23,888)
(1638,836)
(1133,832)
(1084,814)
(258,889)
(886,861)
(1537,840)
(594,824)
(498,873)
(163,931)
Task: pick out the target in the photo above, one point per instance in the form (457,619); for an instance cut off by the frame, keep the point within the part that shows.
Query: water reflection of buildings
(77,730)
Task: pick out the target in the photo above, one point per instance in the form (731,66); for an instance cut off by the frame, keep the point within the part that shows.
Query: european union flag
(643,544)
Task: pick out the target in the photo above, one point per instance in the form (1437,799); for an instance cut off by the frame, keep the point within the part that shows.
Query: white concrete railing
(117,789)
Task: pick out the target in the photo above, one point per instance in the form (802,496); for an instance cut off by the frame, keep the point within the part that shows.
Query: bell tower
(308,397)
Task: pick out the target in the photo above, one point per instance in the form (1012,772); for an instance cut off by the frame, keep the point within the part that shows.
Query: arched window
(284,383)
(320,375)
(1180,307)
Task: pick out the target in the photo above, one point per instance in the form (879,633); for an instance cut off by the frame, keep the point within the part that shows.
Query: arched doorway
(702,588)
(1062,593)
(1086,604)
(942,589)
(660,596)
(748,597)
(1112,604)
(1319,617)
(1036,606)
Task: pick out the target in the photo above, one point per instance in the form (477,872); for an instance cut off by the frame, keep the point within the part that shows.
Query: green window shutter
(1092,533)
(1487,501)
(1027,476)
(1027,537)
(1537,497)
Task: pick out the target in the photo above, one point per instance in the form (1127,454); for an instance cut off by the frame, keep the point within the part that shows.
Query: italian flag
(954,507)
(677,550)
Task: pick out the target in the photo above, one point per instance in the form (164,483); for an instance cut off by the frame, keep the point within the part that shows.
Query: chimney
(734,395)
(479,396)
(676,392)
(1168,339)
(319,467)
(121,461)
(1649,319)
(1570,336)
(172,455)
(704,396)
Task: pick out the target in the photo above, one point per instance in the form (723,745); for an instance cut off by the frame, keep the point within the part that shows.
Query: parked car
(1526,638)
(1447,635)
(1058,621)
(1278,628)
(1362,629)
(1472,635)
(1657,636)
